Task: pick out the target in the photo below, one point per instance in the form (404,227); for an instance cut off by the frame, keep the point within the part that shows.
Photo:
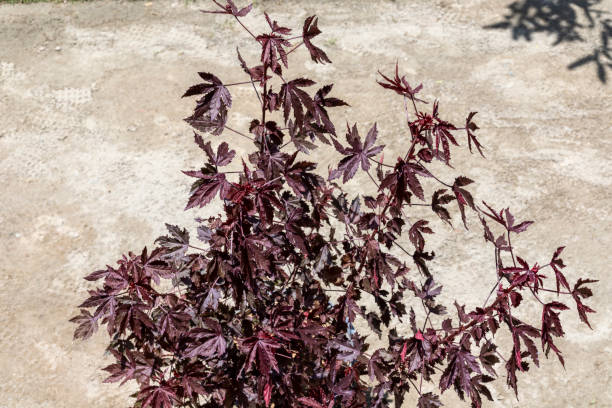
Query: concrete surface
(92,144)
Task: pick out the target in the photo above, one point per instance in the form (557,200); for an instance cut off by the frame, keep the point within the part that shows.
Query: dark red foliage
(263,310)
(310,31)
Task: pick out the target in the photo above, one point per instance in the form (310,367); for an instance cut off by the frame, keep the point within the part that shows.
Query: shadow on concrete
(567,21)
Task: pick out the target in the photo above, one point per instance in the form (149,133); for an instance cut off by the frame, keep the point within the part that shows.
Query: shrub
(264,314)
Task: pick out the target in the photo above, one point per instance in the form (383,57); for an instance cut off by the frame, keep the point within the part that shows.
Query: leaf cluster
(260,308)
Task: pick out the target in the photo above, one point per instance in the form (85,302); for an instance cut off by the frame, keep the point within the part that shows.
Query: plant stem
(245,27)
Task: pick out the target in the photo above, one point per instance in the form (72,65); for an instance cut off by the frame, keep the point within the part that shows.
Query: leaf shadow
(566,20)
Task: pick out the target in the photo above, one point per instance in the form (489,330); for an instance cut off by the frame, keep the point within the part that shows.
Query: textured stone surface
(92,144)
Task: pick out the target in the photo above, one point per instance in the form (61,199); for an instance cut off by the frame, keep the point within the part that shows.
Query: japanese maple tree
(262,310)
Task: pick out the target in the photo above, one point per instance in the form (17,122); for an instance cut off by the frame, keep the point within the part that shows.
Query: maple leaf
(515,298)
(157,396)
(438,199)
(428,293)
(176,243)
(131,365)
(426,154)
(347,307)
(260,347)
(320,115)
(557,264)
(117,279)
(87,325)
(376,365)
(205,234)
(201,120)
(272,45)
(499,242)
(488,356)
(581,291)
(463,196)
(105,302)
(429,400)
(309,31)
(416,233)
(357,153)
(420,258)
(510,226)
(154,266)
(410,171)
(299,139)
(313,335)
(211,300)
(523,274)
(299,177)
(349,351)
(400,85)
(505,218)
(266,200)
(292,97)
(479,388)
(99,274)
(294,231)
(441,130)
(269,134)
(133,316)
(214,95)
(470,127)
(224,155)
(511,367)
(206,188)
(460,364)
(551,326)
(524,332)
(270,164)
(173,322)
(208,341)
(192,378)
(130,275)
(283,323)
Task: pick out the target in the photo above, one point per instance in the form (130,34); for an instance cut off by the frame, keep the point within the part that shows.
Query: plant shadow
(567,21)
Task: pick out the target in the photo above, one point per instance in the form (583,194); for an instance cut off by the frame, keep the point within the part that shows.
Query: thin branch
(294,48)
(535,295)
(238,133)
(373,181)
(402,248)
(511,251)
(245,27)
(426,317)
(256,91)
(238,83)
(496,283)
(440,181)
(382,164)
(561,292)
(414,386)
